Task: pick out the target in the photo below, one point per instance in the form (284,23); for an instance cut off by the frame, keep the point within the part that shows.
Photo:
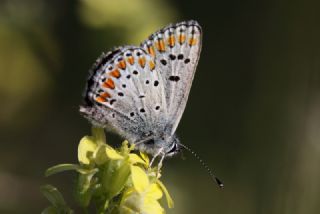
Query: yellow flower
(94,148)
(116,180)
(143,197)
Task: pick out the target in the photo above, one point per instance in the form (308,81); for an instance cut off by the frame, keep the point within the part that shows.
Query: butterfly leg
(154,157)
(160,164)
(161,161)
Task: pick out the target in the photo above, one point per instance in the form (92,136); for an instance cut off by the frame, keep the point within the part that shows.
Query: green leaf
(86,188)
(119,178)
(87,171)
(60,168)
(54,196)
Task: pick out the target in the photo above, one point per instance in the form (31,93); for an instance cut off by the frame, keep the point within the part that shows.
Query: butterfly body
(141,92)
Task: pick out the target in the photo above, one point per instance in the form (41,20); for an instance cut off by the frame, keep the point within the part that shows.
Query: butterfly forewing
(176,50)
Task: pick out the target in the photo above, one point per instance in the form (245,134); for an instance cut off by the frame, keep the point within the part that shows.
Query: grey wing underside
(177,62)
(125,94)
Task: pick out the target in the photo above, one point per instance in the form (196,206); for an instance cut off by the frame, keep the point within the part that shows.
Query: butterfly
(140,92)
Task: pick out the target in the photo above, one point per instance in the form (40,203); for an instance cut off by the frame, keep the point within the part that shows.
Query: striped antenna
(216,180)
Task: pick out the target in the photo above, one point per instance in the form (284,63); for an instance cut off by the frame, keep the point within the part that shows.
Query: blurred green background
(253,112)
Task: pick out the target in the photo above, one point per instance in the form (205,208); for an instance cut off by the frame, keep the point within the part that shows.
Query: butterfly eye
(174,149)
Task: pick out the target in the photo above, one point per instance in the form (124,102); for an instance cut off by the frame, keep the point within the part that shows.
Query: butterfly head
(172,146)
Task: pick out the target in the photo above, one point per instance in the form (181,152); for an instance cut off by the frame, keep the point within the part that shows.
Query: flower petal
(151,206)
(166,193)
(86,147)
(145,158)
(140,179)
(133,202)
(134,158)
(113,154)
(154,192)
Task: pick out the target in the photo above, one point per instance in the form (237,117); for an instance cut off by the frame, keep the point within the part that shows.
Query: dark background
(253,113)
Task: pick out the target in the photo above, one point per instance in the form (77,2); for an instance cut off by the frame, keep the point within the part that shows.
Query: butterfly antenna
(216,180)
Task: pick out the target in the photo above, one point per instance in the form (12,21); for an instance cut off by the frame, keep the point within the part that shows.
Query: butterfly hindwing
(125,89)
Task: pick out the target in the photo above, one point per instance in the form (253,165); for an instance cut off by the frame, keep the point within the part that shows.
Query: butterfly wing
(125,93)
(142,91)
(176,50)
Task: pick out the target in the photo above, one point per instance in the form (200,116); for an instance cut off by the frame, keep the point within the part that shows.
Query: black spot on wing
(172,56)
(112,101)
(142,110)
(163,62)
(174,78)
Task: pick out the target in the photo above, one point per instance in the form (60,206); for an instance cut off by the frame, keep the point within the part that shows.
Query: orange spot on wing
(109,84)
(105,95)
(115,73)
(192,41)
(100,99)
(171,40)
(157,45)
(142,61)
(182,38)
(151,51)
(151,65)
(122,64)
(160,45)
(131,60)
